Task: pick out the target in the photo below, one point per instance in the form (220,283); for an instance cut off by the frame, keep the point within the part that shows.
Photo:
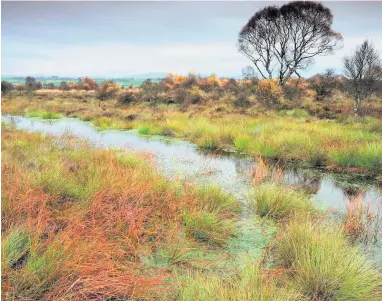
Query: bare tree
(283,40)
(362,70)
(248,72)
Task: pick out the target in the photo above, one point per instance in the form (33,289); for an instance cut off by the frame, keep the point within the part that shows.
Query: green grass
(289,135)
(249,284)
(15,246)
(322,266)
(214,199)
(145,130)
(278,202)
(214,221)
(44,115)
(109,123)
(242,142)
(368,157)
(208,227)
(208,143)
(40,273)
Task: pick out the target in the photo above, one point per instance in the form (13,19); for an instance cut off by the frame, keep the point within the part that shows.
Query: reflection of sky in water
(182,160)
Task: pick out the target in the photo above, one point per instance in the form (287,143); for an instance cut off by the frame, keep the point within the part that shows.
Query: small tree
(248,72)
(362,70)
(48,86)
(20,88)
(284,40)
(31,84)
(6,87)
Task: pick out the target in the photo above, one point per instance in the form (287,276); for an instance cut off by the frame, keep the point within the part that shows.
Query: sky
(120,39)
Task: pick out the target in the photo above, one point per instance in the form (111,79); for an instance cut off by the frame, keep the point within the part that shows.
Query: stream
(181,160)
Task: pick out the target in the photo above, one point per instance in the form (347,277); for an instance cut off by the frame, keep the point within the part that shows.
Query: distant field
(120,81)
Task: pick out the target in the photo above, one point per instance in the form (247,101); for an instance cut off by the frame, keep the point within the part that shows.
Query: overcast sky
(124,38)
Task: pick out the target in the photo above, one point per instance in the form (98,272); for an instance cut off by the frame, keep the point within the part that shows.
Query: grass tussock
(79,222)
(250,283)
(279,202)
(322,265)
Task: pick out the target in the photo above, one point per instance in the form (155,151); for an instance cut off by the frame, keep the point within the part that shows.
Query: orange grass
(85,245)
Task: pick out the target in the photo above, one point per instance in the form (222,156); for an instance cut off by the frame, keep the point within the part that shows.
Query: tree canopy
(283,40)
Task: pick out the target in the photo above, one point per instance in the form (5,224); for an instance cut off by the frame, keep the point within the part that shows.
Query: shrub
(108,90)
(127,97)
(197,95)
(242,100)
(6,87)
(295,88)
(268,91)
(87,83)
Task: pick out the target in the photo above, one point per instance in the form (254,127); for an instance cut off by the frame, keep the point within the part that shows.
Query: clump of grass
(208,227)
(209,143)
(213,218)
(322,266)
(361,223)
(249,284)
(370,156)
(15,247)
(44,115)
(242,142)
(278,202)
(104,123)
(213,199)
(145,130)
(129,160)
(40,273)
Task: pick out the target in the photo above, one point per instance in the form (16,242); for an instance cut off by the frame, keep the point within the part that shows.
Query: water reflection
(182,160)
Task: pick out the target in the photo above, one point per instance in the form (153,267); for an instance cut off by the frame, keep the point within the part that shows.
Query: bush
(87,83)
(127,97)
(242,101)
(108,90)
(295,88)
(6,87)
(269,91)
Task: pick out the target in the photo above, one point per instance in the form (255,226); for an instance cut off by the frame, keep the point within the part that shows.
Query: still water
(181,160)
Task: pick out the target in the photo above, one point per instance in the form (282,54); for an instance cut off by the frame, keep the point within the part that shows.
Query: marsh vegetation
(198,188)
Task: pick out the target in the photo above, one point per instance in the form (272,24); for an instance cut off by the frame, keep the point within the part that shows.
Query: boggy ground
(344,145)
(80,223)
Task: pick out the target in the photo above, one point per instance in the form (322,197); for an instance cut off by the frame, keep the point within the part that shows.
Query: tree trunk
(357,101)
